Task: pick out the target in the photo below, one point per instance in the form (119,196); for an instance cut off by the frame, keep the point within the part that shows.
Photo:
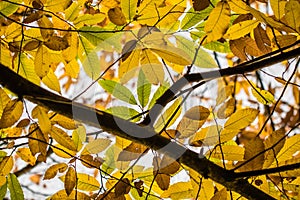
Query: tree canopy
(149,99)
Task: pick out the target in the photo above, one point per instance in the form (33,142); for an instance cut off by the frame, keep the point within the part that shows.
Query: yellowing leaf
(72,68)
(26,155)
(208,136)
(263,96)
(42,61)
(230,151)
(74,195)
(62,151)
(152,67)
(96,146)
(179,190)
(45,23)
(70,180)
(220,195)
(217,22)
(79,136)
(278,7)
(62,138)
(129,66)
(167,115)
(224,93)
(129,8)
(86,182)
(241,118)
(54,169)
(163,181)
(277,138)
(240,29)
(238,6)
(226,109)
(172,54)
(26,68)
(88,19)
(51,81)
(292,14)
(44,121)
(6,165)
(63,121)
(11,113)
(192,120)
(38,141)
(116,16)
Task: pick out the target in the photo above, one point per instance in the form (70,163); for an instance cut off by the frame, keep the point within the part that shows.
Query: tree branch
(140,134)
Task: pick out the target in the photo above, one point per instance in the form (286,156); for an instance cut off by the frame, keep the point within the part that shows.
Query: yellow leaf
(238,6)
(44,22)
(223,94)
(6,165)
(230,151)
(192,120)
(88,19)
(241,118)
(179,190)
(70,53)
(96,146)
(207,189)
(62,138)
(62,195)
(72,68)
(217,22)
(86,182)
(172,54)
(55,6)
(292,14)
(51,81)
(208,136)
(129,66)
(240,29)
(54,169)
(291,146)
(63,121)
(4,99)
(263,96)
(129,8)
(11,132)
(42,61)
(79,136)
(152,67)
(278,7)
(70,180)
(116,16)
(11,113)
(26,155)
(62,151)
(44,121)
(39,141)
(166,116)
(220,195)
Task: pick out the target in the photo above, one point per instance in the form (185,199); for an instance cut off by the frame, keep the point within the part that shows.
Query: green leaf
(7,8)
(89,58)
(119,91)
(218,46)
(129,8)
(16,192)
(203,58)
(3,190)
(124,112)
(193,17)
(143,89)
(157,94)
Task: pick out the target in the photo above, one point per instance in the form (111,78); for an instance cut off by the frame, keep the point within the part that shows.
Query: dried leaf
(70,180)
(56,43)
(52,171)
(116,16)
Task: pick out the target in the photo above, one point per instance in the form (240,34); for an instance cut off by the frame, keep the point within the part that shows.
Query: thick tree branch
(250,66)
(140,134)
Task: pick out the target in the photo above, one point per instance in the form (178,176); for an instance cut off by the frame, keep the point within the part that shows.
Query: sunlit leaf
(241,118)
(26,155)
(16,192)
(74,195)
(41,114)
(278,7)
(96,146)
(129,8)
(143,89)
(263,96)
(124,112)
(3,189)
(8,8)
(11,113)
(119,91)
(70,180)
(163,181)
(292,15)
(6,165)
(179,190)
(238,6)
(56,43)
(4,99)
(217,22)
(38,141)
(230,151)
(62,138)
(85,182)
(51,81)
(240,29)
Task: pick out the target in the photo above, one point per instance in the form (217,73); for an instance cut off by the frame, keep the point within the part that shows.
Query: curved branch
(127,130)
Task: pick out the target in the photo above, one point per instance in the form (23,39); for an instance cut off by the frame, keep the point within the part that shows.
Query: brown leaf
(91,162)
(116,16)
(110,196)
(38,141)
(122,187)
(23,123)
(139,187)
(70,180)
(56,43)
(163,181)
(242,17)
(131,152)
(262,40)
(34,16)
(199,5)
(284,40)
(168,165)
(243,46)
